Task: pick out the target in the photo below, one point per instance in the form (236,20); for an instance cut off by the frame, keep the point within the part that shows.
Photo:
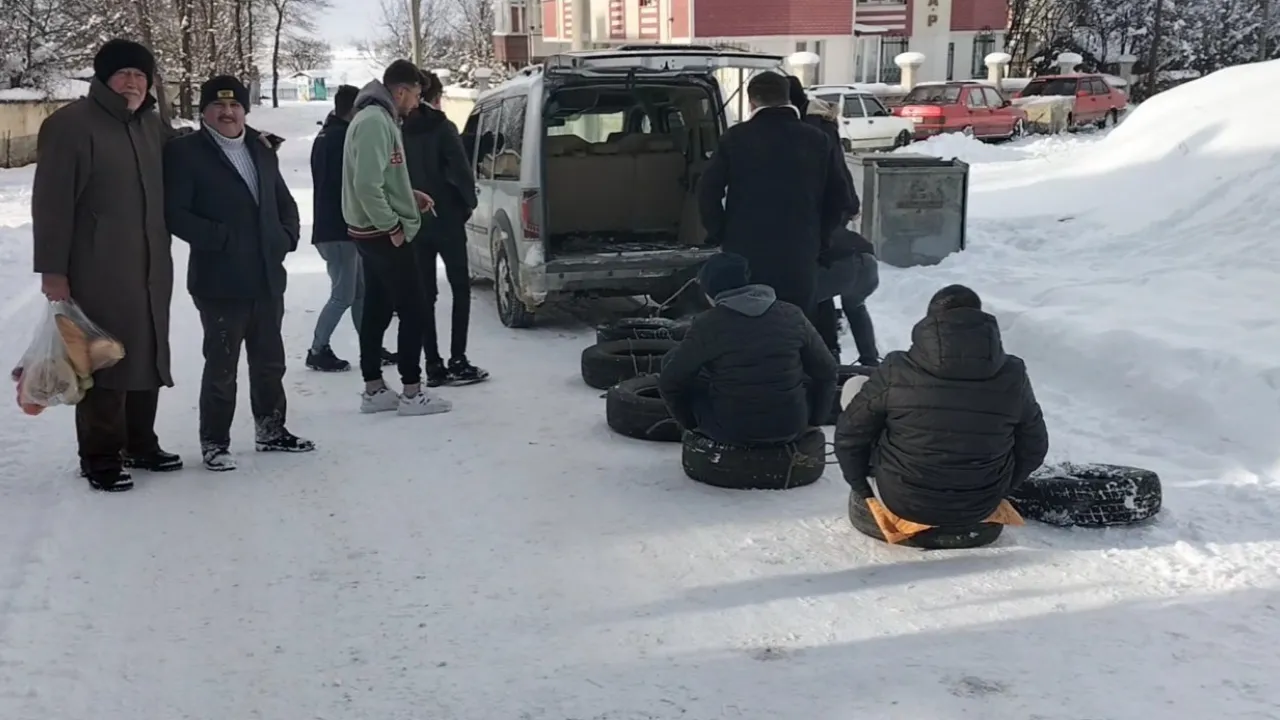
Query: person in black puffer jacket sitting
(943,432)
(751,370)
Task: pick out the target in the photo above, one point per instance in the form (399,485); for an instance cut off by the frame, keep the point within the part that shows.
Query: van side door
(480,226)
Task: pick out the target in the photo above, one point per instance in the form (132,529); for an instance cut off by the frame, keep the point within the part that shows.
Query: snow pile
(973,151)
(1138,271)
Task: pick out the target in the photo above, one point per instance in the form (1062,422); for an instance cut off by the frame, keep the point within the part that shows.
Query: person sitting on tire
(942,433)
(751,370)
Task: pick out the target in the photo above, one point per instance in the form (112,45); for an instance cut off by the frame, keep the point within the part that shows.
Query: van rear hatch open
(628,134)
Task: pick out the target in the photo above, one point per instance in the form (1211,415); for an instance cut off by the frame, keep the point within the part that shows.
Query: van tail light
(531,215)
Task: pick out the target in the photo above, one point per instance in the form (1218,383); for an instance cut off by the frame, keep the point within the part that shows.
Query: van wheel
(511,309)
(903,140)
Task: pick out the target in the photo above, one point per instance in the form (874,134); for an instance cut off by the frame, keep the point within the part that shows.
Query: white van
(586,168)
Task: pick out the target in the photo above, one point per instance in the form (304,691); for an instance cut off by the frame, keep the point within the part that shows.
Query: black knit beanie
(724,271)
(119,54)
(223,87)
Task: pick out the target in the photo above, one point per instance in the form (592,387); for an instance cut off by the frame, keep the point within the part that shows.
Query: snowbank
(1139,271)
(972,151)
(69,89)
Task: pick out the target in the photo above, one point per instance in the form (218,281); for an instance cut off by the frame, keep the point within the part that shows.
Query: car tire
(609,363)
(843,374)
(763,467)
(634,408)
(967,131)
(1019,129)
(1108,120)
(1073,495)
(511,310)
(643,328)
(903,139)
(938,538)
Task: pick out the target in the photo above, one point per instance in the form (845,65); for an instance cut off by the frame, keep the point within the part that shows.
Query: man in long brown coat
(97,211)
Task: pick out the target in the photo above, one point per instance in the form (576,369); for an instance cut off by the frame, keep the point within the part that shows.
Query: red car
(1095,101)
(972,108)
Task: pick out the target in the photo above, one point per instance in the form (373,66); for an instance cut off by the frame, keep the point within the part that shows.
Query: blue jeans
(346,289)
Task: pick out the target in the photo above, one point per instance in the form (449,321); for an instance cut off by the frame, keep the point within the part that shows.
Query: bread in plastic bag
(58,366)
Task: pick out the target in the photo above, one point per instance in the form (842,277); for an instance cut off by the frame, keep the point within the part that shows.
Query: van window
(486,145)
(592,127)
(506,165)
(469,137)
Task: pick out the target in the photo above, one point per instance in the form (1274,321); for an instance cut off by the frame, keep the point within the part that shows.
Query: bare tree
(303,53)
(295,15)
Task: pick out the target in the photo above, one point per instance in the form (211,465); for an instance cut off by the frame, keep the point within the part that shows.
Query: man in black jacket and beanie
(225,197)
(439,167)
(774,191)
(943,432)
(751,370)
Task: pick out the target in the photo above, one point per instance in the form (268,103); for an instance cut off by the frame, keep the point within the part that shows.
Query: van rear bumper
(626,273)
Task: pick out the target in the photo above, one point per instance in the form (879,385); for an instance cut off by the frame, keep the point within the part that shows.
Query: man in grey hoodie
(752,370)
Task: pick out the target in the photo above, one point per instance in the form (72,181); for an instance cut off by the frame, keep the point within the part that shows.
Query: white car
(865,123)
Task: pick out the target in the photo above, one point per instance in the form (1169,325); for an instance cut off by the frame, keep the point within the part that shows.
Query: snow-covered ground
(514,559)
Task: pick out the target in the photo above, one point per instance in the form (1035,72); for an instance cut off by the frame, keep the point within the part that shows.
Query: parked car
(1094,100)
(972,108)
(586,168)
(865,122)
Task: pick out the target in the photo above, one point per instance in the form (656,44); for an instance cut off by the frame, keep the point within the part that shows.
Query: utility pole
(415,23)
(1263,29)
(1153,55)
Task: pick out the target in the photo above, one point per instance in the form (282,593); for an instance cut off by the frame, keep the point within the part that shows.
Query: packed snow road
(514,559)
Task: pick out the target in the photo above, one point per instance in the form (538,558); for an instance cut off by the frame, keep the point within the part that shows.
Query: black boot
(109,480)
(462,372)
(324,360)
(155,461)
(436,373)
(285,441)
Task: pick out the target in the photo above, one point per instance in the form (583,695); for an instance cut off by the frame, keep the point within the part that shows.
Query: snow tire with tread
(1091,495)
(609,363)
(938,538)
(642,328)
(634,408)
(763,467)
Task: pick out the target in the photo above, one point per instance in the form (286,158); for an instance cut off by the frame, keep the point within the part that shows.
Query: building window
(802,46)
(822,64)
(891,48)
(951,61)
(984,44)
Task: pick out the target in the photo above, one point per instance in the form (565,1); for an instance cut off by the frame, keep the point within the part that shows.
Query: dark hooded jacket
(326,181)
(774,192)
(948,428)
(438,166)
(750,370)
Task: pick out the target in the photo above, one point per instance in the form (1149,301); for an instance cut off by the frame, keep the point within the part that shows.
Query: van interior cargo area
(622,164)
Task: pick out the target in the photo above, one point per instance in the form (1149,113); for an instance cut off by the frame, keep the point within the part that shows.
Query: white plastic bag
(65,351)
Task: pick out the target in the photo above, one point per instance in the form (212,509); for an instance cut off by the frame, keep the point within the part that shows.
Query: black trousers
(229,324)
(446,239)
(112,422)
(392,285)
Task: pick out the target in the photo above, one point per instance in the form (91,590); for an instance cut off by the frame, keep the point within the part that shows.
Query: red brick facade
(974,15)
(760,18)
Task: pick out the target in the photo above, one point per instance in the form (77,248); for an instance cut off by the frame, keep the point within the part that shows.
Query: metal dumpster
(913,207)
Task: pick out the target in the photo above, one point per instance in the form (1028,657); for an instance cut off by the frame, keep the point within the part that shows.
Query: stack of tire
(625,362)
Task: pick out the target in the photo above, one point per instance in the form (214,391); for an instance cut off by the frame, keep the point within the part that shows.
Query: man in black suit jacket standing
(225,197)
(774,192)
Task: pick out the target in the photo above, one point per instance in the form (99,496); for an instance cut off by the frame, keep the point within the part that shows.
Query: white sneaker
(423,404)
(217,459)
(380,400)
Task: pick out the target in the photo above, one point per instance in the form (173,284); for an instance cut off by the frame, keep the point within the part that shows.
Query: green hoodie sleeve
(371,145)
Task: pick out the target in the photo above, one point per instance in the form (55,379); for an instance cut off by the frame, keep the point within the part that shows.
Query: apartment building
(856,39)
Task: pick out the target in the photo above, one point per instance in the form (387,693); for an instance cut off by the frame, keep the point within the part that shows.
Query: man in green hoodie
(383,212)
